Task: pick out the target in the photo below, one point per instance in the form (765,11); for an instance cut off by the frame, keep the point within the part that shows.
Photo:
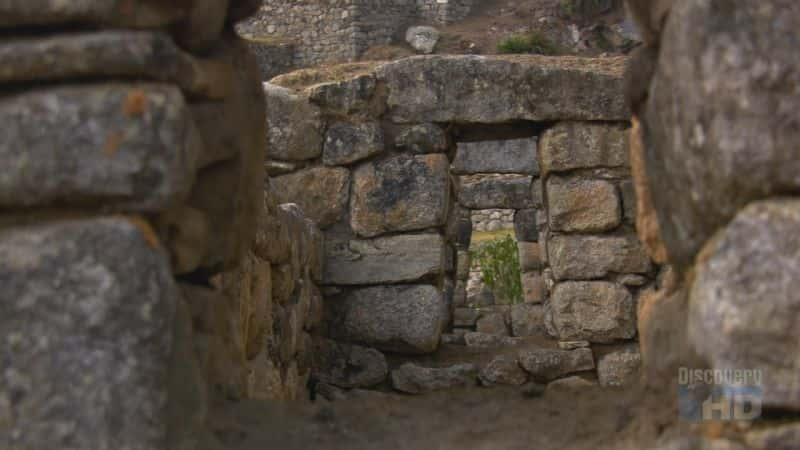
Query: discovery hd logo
(719,395)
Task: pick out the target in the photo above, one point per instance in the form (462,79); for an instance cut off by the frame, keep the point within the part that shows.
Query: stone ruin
(151,275)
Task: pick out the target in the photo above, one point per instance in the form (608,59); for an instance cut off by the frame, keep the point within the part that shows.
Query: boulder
(745,315)
(586,257)
(527,319)
(294,125)
(500,89)
(595,311)
(509,156)
(709,152)
(83,300)
(619,367)
(582,206)
(580,145)
(321,192)
(400,193)
(503,369)
(423,39)
(413,379)
(497,191)
(393,259)
(548,364)
(403,319)
(346,365)
(346,143)
(132,147)
(423,138)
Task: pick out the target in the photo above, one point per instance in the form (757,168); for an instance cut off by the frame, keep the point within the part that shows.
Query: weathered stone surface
(346,143)
(294,125)
(548,364)
(575,145)
(453,339)
(706,144)
(463,261)
(583,206)
(423,138)
(595,311)
(586,257)
(483,340)
(569,384)
(497,191)
(321,192)
(492,323)
(346,97)
(82,300)
(465,317)
(527,319)
(647,226)
(509,156)
(401,193)
(394,259)
(93,12)
(423,39)
(503,369)
(497,89)
(525,225)
(572,345)
(404,319)
(533,289)
(780,437)
(346,365)
(203,24)
(620,367)
(745,315)
(131,147)
(414,379)
(530,255)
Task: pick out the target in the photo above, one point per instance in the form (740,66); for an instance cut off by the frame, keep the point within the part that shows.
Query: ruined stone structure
(341,30)
(374,158)
(136,291)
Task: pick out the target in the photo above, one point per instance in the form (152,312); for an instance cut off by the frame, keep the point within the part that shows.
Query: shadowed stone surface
(527,319)
(620,367)
(586,257)
(575,145)
(503,369)
(414,379)
(346,365)
(294,125)
(710,152)
(347,143)
(136,14)
(595,311)
(510,156)
(384,260)
(548,364)
(91,301)
(423,138)
(745,301)
(321,192)
(525,227)
(497,191)
(401,193)
(497,89)
(404,319)
(142,144)
(583,206)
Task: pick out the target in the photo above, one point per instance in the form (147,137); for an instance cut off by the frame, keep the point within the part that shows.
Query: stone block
(533,289)
(492,323)
(346,365)
(108,13)
(530,255)
(423,138)
(575,145)
(403,319)
(503,369)
(321,192)
(81,300)
(497,191)
(508,156)
(393,259)
(548,364)
(413,379)
(576,257)
(346,143)
(619,367)
(582,206)
(525,225)
(400,193)
(294,125)
(595,311)
(527,319)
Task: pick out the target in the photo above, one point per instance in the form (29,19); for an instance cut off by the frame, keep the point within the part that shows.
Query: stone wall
(342,30)
(136,292)
(718,201)
(372,158)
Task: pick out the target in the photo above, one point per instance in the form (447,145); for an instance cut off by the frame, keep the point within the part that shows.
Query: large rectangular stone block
(134,13)
(577,145)
(509,156)
(401,193)
(586,257)
(404,318)
(294,125)
(85,314)
(582,206)
(497,191)
(322,192)
(128,147)
(594,311)
(384,260)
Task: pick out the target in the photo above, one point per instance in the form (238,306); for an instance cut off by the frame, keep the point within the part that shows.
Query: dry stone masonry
(383,159)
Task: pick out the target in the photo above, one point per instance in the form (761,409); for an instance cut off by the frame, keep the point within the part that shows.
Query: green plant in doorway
(499,263)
